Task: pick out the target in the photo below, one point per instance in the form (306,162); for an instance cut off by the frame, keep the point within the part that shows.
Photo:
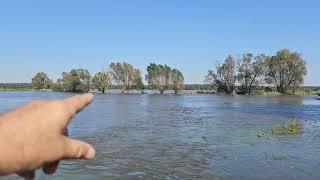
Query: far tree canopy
(101,81)
(137,81)
(177,80)
(285,69)
(250,72)
(223,77)
(124,74)
(77,80)
(41,81)
(162,77)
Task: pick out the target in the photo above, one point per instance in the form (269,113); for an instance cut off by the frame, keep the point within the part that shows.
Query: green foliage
(77,80)
(285,69)
(41,81)
(162,77)
(137,81)
(124,75)
(293,127)
(302,92)
(223,78)
(57,87)
(268,93)
(250,72)
(177,80)
(158,76)
(101,81)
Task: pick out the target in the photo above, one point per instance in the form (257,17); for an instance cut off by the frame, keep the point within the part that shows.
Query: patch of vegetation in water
(267,93)
(293,127)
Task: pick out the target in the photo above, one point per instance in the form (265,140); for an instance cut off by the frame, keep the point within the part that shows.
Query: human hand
(34,136)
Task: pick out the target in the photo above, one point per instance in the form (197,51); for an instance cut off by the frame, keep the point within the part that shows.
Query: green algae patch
(293,127)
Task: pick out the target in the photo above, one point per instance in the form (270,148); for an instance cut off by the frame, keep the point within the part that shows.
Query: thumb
(75,149)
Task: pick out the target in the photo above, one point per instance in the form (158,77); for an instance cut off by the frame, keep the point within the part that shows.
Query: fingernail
(91,154)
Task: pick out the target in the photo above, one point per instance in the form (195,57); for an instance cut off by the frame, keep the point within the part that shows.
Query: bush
(303,92)
(268,93)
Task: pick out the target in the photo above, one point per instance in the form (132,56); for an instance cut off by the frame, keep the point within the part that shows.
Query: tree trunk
(281,89)
(103,90)
(161,91)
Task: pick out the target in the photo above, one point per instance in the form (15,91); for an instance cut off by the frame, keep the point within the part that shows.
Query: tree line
(124,75)
(282,71)
(285,71)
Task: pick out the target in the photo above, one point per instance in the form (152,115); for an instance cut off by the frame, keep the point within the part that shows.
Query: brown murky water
(189,137)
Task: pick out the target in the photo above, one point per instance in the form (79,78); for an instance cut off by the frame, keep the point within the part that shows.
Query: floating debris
(274,157)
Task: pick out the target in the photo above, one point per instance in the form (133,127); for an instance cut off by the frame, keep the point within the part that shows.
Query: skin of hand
(34,136)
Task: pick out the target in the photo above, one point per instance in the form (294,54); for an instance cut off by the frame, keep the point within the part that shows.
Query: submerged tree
(177,80)
(158,76)
(137,81)
(124,75)
(58,86)
(285,69)
(223,78)
(77,80)
(101,81)
(41,81)
(250,72)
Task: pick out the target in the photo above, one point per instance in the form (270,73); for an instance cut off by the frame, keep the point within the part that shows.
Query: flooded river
(189,137)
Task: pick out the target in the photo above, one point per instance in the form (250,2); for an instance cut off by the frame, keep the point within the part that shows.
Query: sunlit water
(189,137)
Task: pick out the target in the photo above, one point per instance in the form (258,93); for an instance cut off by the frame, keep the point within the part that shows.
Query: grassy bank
(26,89)
(17,89)
(190,89)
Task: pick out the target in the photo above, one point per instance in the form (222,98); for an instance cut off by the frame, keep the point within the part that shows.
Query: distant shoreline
(183,92)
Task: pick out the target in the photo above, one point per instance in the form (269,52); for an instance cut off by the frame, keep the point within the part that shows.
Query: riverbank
(26,89)
(188,92)
(17,89)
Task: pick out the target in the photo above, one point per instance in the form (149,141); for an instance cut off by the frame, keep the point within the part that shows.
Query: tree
(177,80)
(77,80)
(158,76)
(137,81)
(250,72)
(285,69)
(58,86)
(123,74)
(223,78)
(41,81)
(101,81)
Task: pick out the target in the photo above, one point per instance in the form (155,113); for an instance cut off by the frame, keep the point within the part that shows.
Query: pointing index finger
(76,103)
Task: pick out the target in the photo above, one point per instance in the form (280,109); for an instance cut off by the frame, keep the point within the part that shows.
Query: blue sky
(55,36)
